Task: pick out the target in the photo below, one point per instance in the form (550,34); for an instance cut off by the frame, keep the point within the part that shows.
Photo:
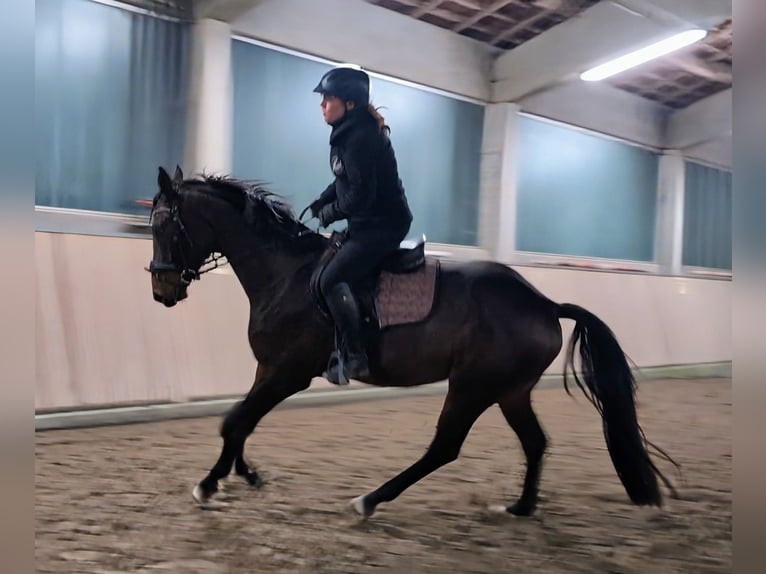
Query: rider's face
(332,108)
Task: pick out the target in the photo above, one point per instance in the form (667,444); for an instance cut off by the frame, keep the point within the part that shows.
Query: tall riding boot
(345,312)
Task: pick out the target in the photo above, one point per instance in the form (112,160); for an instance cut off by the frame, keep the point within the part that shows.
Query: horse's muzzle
(168,288)
(167,301)
(169,296)
(171,299)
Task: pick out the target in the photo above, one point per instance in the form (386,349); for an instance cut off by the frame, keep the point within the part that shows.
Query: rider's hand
(327,215)
(315,207)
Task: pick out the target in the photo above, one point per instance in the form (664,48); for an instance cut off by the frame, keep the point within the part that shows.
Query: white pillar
(497,189)
(669,240)
(209,126)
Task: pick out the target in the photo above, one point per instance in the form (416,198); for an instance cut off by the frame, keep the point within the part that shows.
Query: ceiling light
(643,55)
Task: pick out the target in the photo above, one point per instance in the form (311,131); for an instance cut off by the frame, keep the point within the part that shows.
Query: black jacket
(367,191)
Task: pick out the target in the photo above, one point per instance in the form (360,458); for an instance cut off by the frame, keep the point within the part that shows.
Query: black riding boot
(345,312)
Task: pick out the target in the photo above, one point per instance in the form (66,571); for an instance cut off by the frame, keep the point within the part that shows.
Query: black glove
(328,215)
(315,206)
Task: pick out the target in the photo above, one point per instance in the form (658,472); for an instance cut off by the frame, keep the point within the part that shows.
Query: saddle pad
(407,297)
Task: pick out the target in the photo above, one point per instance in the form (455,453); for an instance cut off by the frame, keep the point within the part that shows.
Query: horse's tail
(610,386)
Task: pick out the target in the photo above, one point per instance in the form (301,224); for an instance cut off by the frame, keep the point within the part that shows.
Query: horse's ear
(164,182)
(179,176)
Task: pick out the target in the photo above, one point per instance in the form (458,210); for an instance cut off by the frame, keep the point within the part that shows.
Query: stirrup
(336,372)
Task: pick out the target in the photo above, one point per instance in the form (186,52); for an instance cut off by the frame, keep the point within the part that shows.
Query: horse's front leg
(272,385)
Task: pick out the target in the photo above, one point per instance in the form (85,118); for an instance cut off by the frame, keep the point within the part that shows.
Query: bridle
(186,272)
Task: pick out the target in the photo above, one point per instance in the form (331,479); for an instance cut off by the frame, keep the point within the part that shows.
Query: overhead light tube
(643,55)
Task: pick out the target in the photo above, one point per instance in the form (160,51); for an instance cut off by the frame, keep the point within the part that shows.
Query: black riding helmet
(348,84)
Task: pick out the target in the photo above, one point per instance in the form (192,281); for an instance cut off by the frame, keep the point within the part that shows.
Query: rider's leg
(350,263)
(358,258)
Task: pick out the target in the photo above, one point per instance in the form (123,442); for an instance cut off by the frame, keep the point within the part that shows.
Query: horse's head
(190,218)
(179,243)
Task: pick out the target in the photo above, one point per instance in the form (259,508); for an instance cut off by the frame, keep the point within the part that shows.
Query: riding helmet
(348,84)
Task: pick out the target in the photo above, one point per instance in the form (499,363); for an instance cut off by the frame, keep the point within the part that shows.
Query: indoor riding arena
(570,161)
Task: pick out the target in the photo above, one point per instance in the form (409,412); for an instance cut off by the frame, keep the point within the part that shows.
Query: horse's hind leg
(517,409)
(458,414)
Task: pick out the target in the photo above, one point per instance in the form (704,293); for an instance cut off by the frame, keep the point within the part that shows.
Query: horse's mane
(270,213)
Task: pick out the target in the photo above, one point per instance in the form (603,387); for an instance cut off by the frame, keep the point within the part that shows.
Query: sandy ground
(118,499)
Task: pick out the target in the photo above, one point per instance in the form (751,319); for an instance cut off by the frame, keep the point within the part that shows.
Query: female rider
(366,192)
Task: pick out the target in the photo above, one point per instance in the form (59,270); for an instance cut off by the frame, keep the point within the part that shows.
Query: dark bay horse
(490,333)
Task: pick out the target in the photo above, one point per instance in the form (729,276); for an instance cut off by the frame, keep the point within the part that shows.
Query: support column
(497,188)
(669,240)
(209,125)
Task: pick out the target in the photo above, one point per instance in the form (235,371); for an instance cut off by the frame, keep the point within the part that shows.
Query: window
(581,194)
(707,217)
(110,103)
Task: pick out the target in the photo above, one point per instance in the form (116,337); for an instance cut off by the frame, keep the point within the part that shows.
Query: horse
(487,331)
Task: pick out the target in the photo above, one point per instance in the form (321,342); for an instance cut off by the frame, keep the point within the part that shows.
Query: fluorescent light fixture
(643,55)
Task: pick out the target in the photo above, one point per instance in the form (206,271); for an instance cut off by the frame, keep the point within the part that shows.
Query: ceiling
(687,76)
(501,24)
(182,9)
(676,81)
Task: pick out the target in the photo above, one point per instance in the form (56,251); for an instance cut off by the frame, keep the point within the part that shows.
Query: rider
(367,192)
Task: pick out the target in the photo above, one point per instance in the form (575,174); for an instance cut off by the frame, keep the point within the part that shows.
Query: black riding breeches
(359,256)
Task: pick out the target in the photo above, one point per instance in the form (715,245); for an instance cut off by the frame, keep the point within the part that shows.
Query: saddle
(401,291)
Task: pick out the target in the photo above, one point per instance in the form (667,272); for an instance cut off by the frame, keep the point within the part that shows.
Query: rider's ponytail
(380,119)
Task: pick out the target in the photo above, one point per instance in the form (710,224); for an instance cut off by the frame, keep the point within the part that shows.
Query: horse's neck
(266,271)
(263,270)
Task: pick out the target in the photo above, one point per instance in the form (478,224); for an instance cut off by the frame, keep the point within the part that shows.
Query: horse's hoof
(199,495)
(519,509)
(253,479)
(361,507)
(249,475)
(203,496)
(497,508)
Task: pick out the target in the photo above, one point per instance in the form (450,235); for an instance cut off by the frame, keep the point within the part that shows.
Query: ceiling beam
(703,121)
(603,108)
(426,8)
(468,4)
(702,13)
(713,71)
(223,10)
(718,151)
